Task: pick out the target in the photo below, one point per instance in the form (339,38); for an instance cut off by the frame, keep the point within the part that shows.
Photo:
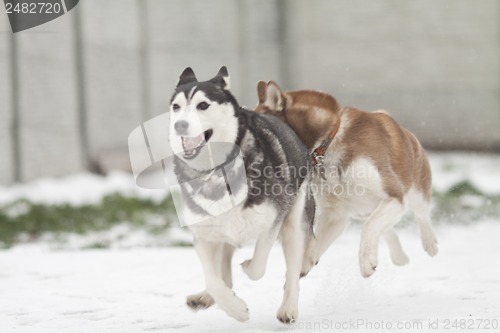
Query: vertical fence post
(283,48)
(81,95)
(144,59)
(15,124)
(243,8)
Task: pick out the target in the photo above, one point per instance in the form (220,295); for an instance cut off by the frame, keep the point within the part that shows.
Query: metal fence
(73,89)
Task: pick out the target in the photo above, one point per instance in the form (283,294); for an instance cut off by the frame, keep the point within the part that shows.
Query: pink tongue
(193,142)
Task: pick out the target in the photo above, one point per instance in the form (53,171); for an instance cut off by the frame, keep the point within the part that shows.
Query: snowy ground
(139,289)
(144,290)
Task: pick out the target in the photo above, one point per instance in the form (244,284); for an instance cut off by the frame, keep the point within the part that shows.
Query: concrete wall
(206,35)
(88,78)
(434,65)
(111,49)
(49,138)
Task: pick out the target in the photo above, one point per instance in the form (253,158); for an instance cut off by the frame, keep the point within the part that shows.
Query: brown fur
(310,113)
(396,152)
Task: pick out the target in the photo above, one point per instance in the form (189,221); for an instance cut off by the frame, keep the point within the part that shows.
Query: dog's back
(395,151)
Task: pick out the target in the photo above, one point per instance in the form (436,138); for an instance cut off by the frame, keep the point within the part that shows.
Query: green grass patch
(32,220)
(25,220)
(464,203)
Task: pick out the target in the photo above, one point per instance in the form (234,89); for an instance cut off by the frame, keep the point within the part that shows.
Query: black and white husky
(254,190)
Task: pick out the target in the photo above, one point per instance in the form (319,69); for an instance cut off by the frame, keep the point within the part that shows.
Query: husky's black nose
(181,126)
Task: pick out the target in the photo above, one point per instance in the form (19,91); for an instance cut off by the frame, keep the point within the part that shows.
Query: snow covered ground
(143,289)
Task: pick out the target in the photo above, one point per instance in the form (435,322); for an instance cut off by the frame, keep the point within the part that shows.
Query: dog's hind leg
(328,228)
(211,255)
(420,204)
(293,247)
(384,217)
(293,235)
(398,255)
(429,240)
(422,210)
(256,267)
(203,300)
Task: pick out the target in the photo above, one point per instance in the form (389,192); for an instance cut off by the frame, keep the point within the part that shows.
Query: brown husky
(366,167)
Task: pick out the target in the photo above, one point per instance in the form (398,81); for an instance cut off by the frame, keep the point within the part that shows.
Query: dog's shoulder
(274,137)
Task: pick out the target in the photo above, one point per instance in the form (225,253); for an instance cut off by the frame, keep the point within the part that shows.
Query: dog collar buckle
(317,162)
(318,159)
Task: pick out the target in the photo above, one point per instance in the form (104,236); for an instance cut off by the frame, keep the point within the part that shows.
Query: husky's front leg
(209,254)
(256,267)
(203,300)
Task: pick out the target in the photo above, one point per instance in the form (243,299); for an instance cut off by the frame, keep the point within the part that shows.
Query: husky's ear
(271,95)
(222,78)
(261,91)
(223,72)
(187,76)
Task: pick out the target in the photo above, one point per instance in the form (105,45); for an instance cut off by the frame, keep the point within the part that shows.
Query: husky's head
(201,112)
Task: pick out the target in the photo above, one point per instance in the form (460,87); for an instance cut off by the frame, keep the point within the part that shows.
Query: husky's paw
(430,244)
(287,314)
(367,263)
(253,272)
(199,301)
(400,258)
(307,264)
(233,306)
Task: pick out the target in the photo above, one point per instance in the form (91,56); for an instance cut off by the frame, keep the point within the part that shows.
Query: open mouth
(193,144)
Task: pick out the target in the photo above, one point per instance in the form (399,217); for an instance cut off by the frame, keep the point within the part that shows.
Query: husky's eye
(176,107)
(203,106)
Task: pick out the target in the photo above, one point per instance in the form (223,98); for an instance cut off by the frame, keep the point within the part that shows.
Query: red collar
(318,154)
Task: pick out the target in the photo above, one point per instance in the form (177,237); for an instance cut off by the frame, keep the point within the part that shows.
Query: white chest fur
(236,226)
